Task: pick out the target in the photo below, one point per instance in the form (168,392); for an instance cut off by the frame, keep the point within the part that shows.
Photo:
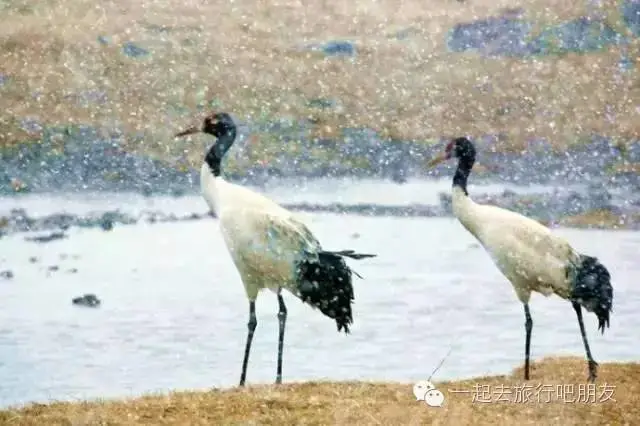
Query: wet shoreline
(593,177)
(550,207)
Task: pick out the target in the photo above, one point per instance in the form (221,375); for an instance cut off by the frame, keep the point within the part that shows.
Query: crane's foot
(593,370)
(278,380)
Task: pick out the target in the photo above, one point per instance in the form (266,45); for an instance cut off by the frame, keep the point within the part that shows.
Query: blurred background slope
(132,73)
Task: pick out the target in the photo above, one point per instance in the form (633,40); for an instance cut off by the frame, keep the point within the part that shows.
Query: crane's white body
(527,253)
(264,239)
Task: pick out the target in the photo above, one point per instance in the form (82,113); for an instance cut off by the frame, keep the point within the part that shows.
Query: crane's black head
(220,125)
(462,149)
(217,124)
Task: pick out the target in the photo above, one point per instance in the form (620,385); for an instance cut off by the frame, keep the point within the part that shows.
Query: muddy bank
(594,205)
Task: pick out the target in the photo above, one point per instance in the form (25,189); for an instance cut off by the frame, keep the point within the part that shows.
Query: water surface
(320,192)
(174,312)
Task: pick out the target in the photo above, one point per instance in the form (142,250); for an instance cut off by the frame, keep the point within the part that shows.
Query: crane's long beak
(189,131)
(436,160)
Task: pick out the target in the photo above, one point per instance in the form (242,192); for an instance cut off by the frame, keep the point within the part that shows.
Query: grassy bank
(149,67)
(616,401)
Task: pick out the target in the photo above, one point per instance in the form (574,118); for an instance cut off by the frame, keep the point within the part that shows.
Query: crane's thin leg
(528,325)
(593,366)
(282,319)
(251,325)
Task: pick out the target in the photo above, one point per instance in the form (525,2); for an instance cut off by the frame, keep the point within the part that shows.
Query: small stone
(47,237)
(88,300)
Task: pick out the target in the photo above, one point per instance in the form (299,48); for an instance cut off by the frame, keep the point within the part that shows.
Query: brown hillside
(246,57)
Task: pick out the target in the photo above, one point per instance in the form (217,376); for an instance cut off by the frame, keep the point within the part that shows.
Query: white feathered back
(264,239)
(527,252)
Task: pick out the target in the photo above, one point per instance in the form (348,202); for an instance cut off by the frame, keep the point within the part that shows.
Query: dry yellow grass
(615,401)
(605,219)
(245,56)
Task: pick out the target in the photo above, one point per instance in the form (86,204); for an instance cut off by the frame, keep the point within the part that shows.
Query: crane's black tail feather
(592,289)
(325,283)
(352,254)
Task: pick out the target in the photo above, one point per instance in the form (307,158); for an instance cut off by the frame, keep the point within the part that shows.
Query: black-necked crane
(269,246)
(529,255)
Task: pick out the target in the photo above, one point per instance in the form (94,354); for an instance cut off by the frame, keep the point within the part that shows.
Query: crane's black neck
(219,149)
(465,164)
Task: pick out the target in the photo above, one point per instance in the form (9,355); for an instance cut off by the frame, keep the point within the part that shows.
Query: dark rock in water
(73,270)
(33,259)
(7,274)
(47,238)
(630,10)
(133,50)
(88,300)
(106,222)
(53,268)
(59,220)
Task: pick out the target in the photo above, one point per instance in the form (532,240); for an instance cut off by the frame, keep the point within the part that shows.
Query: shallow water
(174,313)
(321,191)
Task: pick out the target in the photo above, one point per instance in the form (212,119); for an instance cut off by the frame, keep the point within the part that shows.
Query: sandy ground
(557,394)
(248,57)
